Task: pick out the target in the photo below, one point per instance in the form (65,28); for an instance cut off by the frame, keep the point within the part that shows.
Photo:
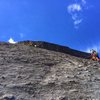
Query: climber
(94,55)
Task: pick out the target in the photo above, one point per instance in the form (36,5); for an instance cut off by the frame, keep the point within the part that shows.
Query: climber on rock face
(94,55)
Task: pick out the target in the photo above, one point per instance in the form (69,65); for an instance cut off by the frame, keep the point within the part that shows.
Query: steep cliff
(47,72)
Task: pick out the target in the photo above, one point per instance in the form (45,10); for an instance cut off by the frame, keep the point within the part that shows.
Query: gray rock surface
(32,73)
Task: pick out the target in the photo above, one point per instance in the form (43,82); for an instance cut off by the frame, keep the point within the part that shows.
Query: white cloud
(74,7)
(11,41)
(77,22)
(75,10)
(75,16)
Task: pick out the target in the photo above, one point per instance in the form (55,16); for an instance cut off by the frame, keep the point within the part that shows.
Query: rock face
(55,47)
(42,72)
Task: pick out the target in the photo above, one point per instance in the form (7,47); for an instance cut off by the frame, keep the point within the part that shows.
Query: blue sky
(73,23)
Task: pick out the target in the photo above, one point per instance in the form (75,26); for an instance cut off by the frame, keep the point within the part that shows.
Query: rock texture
(43,72)
(56,47)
